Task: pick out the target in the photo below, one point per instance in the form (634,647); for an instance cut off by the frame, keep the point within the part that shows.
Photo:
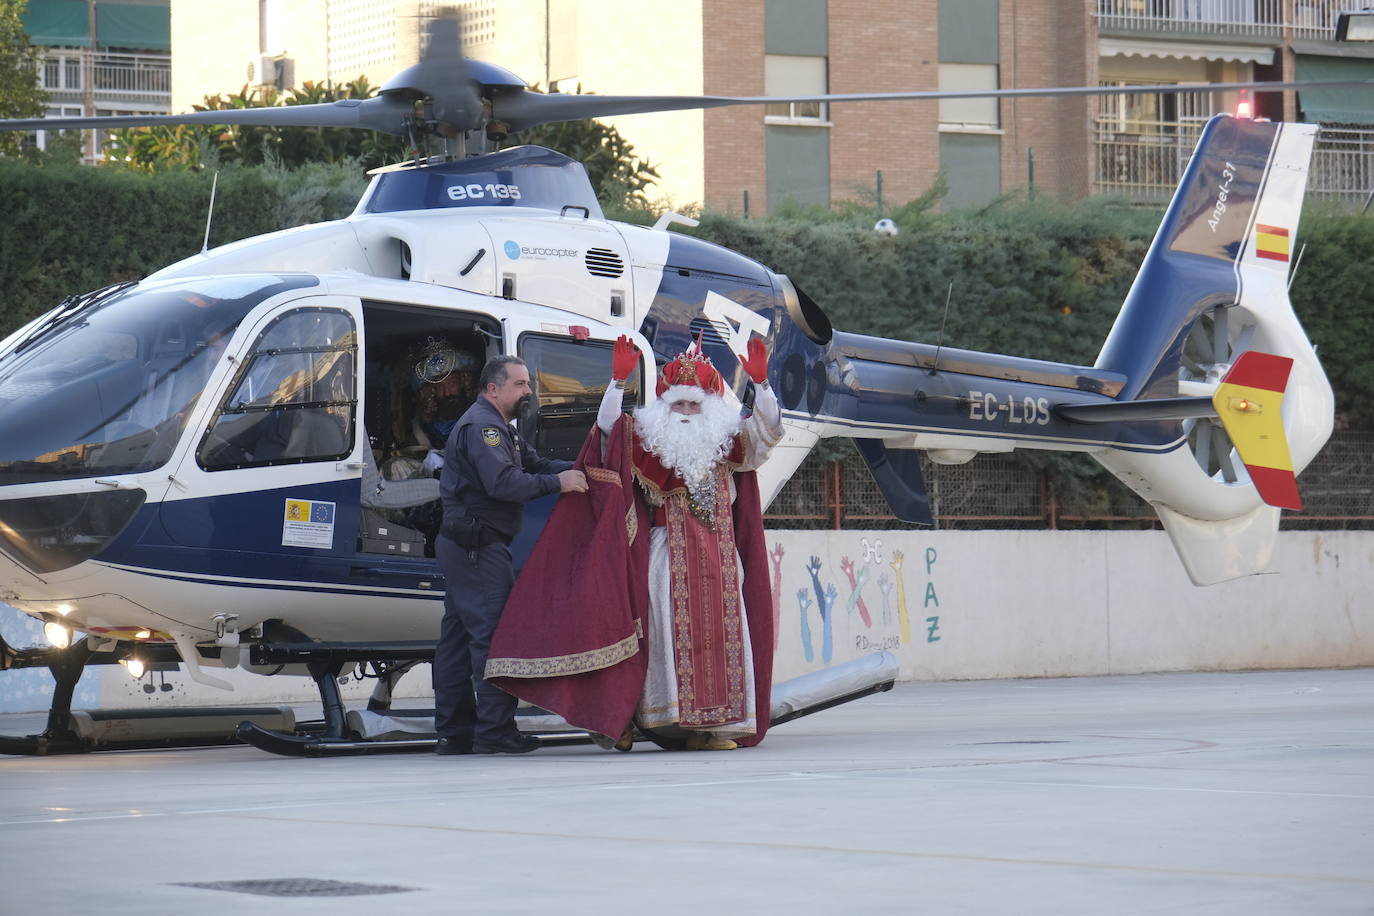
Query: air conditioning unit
(271,70)
(261,70)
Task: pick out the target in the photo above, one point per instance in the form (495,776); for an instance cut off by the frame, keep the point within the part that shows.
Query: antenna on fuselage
(210,216)
(949,293)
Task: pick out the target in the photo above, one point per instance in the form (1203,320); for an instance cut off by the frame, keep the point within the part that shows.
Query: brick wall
(733,65)
(883,46)
(1047,43)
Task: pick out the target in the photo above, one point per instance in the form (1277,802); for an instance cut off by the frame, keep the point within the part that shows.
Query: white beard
(690,444)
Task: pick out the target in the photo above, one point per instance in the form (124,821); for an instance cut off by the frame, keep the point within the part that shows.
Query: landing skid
(802,696)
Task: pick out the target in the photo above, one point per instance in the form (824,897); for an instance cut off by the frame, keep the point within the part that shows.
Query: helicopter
(221,465)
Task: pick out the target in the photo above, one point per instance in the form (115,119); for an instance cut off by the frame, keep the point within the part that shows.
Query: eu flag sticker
(308,523)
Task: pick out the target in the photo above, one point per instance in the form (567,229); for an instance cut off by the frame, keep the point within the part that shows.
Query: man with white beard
(650,596)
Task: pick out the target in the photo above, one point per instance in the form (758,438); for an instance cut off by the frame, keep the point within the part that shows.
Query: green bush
(1030,278)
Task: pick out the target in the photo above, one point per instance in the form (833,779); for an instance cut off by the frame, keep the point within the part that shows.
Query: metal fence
(1144,160)
(1009,491)
(1238,18)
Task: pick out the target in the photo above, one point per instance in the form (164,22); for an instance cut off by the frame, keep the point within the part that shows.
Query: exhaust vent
(602,262)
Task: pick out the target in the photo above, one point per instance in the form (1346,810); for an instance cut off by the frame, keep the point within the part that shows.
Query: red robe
(572,635)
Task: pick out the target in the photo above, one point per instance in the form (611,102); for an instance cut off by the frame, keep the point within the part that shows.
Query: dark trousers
(476,593)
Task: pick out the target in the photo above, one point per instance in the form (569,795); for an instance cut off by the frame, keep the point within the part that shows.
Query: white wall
(979,604)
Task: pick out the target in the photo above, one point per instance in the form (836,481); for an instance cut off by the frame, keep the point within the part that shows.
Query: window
(569,379)
(787,74)
(295,398)
(969,113)
(72,66)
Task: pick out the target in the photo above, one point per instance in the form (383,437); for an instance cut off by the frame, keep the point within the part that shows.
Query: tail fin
(1214,286)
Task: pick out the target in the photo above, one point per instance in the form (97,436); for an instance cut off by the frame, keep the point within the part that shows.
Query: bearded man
(648,596)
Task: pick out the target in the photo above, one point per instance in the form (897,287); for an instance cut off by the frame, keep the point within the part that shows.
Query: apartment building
(101,57)
(751,159)
(1142,141)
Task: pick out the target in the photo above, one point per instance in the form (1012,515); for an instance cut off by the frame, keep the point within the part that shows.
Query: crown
(691,368)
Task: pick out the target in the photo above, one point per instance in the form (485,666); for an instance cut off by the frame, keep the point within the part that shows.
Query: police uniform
(489,474)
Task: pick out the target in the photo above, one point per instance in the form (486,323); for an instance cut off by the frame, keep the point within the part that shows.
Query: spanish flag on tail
(1248,402)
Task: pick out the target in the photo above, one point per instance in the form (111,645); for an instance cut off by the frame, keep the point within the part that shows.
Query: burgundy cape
(572,635)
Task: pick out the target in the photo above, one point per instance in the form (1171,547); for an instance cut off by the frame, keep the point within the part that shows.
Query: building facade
(755,159)
(101,57)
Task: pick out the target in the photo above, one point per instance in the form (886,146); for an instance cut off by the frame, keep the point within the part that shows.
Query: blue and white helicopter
(216,466)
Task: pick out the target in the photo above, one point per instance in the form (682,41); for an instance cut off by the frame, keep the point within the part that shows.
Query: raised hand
(755,362)
(856,587)
(827,617)
(776,556)
(885,587)
(896,564)
(804,602)
(624,359)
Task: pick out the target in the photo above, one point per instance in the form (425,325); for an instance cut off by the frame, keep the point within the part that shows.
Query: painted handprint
(776,557)
(856,586)
(896,565)
(827,618)
(885,589)
(804,602)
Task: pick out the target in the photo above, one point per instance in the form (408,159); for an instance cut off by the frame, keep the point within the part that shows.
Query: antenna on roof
(948,294)
(209,217)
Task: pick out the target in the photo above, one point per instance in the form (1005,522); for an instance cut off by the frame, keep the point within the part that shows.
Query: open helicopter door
(264,498)
(570,367)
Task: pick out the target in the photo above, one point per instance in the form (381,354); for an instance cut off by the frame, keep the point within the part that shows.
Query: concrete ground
(1248,793)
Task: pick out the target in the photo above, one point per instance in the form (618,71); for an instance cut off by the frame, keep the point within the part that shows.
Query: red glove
(756,362)
(625,358)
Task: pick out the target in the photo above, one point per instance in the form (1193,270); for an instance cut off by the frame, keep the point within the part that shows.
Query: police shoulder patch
(491,435)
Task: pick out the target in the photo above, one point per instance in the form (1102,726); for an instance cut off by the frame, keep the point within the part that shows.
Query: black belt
(472,533)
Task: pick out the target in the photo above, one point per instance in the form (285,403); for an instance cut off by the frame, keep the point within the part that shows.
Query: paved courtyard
(1237,793)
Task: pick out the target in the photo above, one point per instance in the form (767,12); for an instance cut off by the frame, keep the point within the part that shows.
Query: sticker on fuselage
(308,523)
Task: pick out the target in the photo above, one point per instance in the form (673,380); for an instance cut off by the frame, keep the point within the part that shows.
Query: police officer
(489,474)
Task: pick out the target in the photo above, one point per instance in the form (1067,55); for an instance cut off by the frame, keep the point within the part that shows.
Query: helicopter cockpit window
(294,399)
(569,379)
(106,388)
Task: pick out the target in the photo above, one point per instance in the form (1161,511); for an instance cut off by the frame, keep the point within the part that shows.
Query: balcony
(118,81)
(1143,160)
(1211,19)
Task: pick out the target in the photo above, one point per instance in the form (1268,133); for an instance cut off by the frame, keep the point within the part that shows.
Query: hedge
(1030,278)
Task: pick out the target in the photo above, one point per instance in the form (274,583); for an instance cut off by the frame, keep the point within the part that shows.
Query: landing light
(143,634)
(57,634)
(64,609)
(135,667)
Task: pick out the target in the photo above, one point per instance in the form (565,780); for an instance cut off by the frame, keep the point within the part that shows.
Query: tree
(159,148)
(616,174)
(20,94)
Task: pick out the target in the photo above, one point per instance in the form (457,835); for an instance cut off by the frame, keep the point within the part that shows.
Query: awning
(1184,50)
(57,22)
(136,26)
(1335,105)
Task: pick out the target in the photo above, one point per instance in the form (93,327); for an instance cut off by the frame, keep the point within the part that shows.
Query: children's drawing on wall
(776,557)
(825,601)
(891,600)
(903,619)
(856,586)
(931,599)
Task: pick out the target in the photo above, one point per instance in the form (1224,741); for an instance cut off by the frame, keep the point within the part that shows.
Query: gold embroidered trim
(631,523)
(604,475)
(560,665)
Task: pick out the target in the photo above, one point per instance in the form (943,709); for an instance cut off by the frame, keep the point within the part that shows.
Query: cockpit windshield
(107,388)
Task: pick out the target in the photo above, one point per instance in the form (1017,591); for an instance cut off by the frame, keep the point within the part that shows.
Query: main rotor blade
(519,109)
(385,113)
